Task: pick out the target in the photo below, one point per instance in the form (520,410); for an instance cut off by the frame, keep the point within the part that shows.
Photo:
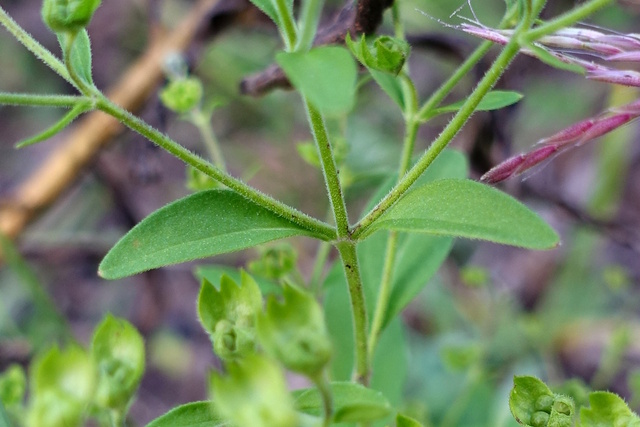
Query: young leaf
(352,403)
(391,85)
(464,208)
(80,56)
(404,421)
(326,76)
(607,409)
(270,9)
(194,414)
(201,225)
(76,111)
(533,404)
(493,100)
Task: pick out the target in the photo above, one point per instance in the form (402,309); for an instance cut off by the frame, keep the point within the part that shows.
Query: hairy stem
(38,100)
(349,258)
(34,47)
(323,230)
(567,19)
(201,121)
(384,292)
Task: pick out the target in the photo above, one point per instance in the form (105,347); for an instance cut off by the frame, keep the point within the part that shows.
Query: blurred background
(569,315)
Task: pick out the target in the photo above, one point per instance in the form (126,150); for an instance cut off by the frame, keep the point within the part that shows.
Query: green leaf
(13,385)
(533,404)
(326,76)
(65,121)
(404,421)
(607,409)
(391,85)
(270,9)
(117,349)
(80,55)
(464,208)
(194,414)
(213,273)
(546,57)
(309,153)
(352,403)
(493,100)
(198,226)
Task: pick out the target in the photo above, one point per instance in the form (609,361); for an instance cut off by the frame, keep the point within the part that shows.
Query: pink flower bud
(503,170)
(485,33)
(621,77)
(604,126)
(569,134)
(537,156)
(632,56)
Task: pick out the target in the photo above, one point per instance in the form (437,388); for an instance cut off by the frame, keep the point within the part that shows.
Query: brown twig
(63,166)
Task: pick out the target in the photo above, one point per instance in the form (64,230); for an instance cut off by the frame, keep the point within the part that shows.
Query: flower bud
(182,95)
(253,394)
(294,333)
(68,15)
(387,53)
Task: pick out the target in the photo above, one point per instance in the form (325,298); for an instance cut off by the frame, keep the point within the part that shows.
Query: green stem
(349,258)
(450,131)
(201,121)
(323,230)
(567,19)
(386,284)
(324,388)
(286,24)
(34,47)
(311,10)
(329,169)
(37,100)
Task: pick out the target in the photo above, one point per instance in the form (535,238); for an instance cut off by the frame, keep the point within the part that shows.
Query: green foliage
(493,100)
(294,333)
(387,54)
(253,393)
(228,315)
(201,225)
(117,349)
(326,76)
(77,53)
(464,208)
(274,262)
(13,386)
(607,409)
(353,403)
(194,414)
(270,8)
(68,15)
(405,421)
(533,404)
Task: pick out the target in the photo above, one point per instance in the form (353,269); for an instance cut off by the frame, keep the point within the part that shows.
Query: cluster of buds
(560,49)
(574,135)
(607,47)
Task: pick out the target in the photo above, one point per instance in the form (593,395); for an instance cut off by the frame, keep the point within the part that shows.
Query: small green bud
(540,419)
(62,385)
(544,403)
(253,394)
(118,352)
(228,314)
(68,15)
(182,95)
(387,53)
(294,332)
(563,406)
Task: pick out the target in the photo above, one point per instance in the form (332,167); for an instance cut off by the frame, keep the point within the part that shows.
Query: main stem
(345,245)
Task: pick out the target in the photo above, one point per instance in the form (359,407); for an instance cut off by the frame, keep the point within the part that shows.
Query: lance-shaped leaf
(352,403)
(198,226)
(80,54)
(464,208)
(80,108)
(194,414)
(493,100)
